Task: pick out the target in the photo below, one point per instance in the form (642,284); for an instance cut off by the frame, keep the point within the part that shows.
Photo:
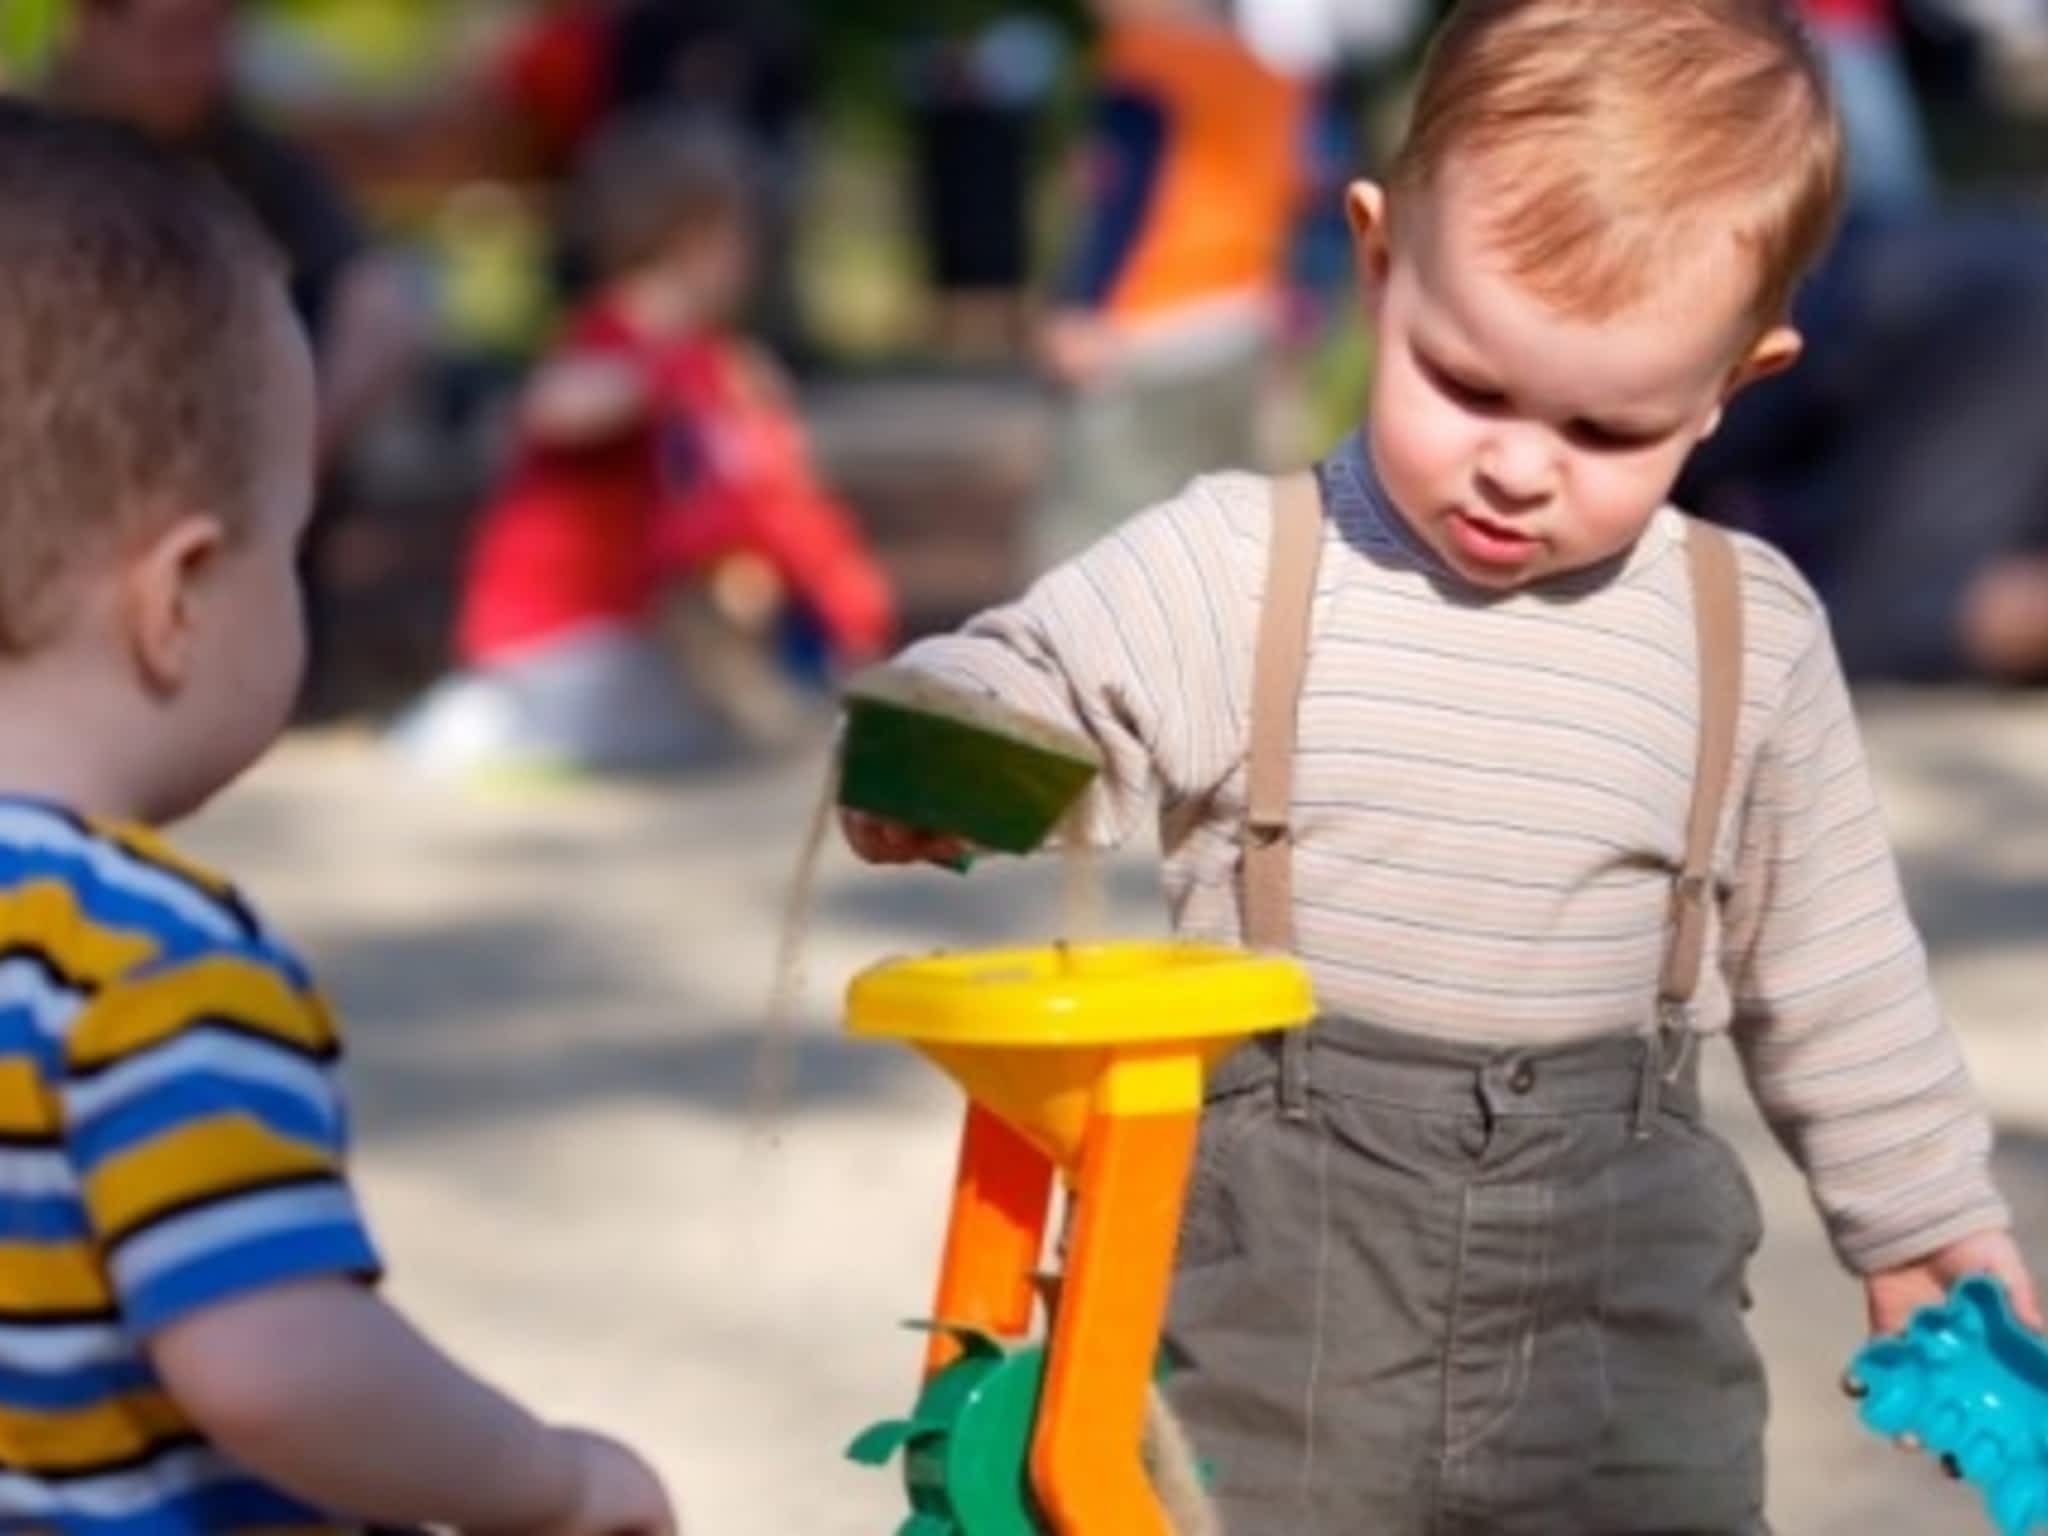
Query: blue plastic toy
(1967,1383)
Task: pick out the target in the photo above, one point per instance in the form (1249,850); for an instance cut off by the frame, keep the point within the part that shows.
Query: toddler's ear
(162,588)
(1365,207)
(1775,351)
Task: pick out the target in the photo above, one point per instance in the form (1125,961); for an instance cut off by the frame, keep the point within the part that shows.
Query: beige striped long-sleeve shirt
(1489,805)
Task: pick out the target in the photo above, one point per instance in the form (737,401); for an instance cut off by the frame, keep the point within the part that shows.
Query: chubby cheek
(287,669)
(269,662)
(1613,499)
(1421,447)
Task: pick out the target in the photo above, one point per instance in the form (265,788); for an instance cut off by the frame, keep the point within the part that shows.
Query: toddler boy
(1543,783)
(190,1339)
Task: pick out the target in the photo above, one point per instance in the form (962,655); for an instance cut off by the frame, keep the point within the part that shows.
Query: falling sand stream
(1080,921)
(775,1053)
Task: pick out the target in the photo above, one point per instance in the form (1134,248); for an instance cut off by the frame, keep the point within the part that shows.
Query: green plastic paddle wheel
(967,1443)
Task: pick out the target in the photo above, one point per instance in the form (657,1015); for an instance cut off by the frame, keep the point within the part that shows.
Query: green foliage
(29,29)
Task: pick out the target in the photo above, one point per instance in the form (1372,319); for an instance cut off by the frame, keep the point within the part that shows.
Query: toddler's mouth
(1486,541)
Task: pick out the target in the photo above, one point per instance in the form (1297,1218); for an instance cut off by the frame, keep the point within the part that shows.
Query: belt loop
(1649,1085)
(1294,1073)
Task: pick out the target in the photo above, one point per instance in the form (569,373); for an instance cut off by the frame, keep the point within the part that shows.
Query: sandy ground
(553,1004)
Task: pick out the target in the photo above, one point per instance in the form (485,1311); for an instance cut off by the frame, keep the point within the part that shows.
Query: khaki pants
(1437,1290)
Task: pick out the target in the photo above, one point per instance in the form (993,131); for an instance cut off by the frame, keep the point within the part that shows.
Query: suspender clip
(1266,832)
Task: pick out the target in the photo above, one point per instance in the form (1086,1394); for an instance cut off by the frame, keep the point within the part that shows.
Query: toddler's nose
(1516,471)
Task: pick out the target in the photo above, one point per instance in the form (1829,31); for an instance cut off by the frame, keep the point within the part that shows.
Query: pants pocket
(1684,1445)
(1308,1315)
(1211,1221)
(1733,1187)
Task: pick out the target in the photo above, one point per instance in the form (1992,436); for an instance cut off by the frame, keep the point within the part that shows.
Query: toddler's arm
(580,400)
(1143,643)
(202,1122)
(1845,1046)
(322,1389)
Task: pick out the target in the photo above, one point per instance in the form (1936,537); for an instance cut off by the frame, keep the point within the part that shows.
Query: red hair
(1614,135)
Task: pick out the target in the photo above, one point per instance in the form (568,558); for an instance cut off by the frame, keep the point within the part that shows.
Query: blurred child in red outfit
(661,471)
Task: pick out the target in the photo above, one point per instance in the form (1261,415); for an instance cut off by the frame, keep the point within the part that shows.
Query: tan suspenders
(1282,658)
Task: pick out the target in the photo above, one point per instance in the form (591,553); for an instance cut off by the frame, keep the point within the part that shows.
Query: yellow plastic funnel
(1031,1033)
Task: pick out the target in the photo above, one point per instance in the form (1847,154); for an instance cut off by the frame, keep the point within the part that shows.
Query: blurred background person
(1348,55)
(978,100)
(1163,323)
(742,66)
(660,550)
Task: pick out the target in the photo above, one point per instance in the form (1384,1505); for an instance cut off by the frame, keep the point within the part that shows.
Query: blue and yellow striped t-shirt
(171,1136)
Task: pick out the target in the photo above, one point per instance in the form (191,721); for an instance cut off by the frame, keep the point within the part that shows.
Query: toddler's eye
(1465,392)
(1605,439)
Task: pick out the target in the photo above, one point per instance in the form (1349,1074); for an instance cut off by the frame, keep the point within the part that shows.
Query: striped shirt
(171,1136)
(1490,800)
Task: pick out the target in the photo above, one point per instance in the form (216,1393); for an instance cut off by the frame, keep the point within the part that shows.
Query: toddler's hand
(617,1494)
(1074,348)
(890,842)
(1895,1294)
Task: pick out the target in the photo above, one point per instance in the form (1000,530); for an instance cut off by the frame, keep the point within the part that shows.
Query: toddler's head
(156,461)
(1586,244)
(664,200)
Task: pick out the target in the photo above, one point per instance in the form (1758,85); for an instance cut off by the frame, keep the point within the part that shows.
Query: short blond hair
(1618,135)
